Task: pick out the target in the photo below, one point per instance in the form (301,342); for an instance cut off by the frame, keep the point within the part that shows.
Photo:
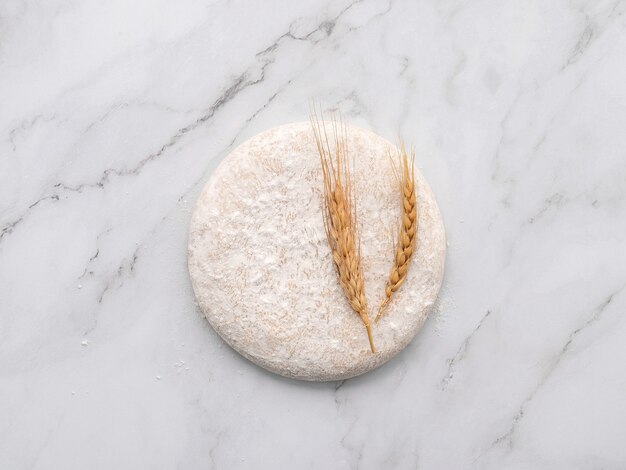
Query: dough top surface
(261,267)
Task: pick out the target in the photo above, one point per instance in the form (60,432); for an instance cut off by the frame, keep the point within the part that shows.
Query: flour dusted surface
(261,267)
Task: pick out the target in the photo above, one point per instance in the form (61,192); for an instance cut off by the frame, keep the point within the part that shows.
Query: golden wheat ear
(340,216)
(407,233)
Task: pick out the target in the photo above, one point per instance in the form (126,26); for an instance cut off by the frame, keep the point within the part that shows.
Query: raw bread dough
(261,267)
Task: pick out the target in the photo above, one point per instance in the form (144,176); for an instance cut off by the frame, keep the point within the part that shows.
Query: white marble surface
(113,115)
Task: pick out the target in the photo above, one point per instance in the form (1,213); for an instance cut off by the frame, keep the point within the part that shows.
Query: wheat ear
(405,244)
(340,217)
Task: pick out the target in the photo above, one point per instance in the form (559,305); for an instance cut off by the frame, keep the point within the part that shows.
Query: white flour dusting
(261,268)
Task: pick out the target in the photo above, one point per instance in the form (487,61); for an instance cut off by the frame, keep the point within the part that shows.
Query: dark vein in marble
(584,40)
(214,448)
(8,229)
(26,126)
(326,27)
(127,266)
(372,18)
(54,197)
(356,105)
(238,84)
(358,450)
(95,255)
(259,110)
(86,270)
(556,201)
(508,437)
(461,352)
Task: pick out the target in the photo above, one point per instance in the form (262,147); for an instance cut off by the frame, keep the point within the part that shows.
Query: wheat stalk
(405,244)
(340,216)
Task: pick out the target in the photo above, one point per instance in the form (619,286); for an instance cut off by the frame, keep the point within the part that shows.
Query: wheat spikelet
(405,244)
(340,217)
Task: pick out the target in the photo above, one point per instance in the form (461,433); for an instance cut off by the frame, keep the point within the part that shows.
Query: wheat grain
(340,216)
(405,244)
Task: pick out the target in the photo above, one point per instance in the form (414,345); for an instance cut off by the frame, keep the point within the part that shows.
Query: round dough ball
(261,267)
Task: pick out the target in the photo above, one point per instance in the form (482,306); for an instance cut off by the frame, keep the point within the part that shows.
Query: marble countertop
(114,114)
